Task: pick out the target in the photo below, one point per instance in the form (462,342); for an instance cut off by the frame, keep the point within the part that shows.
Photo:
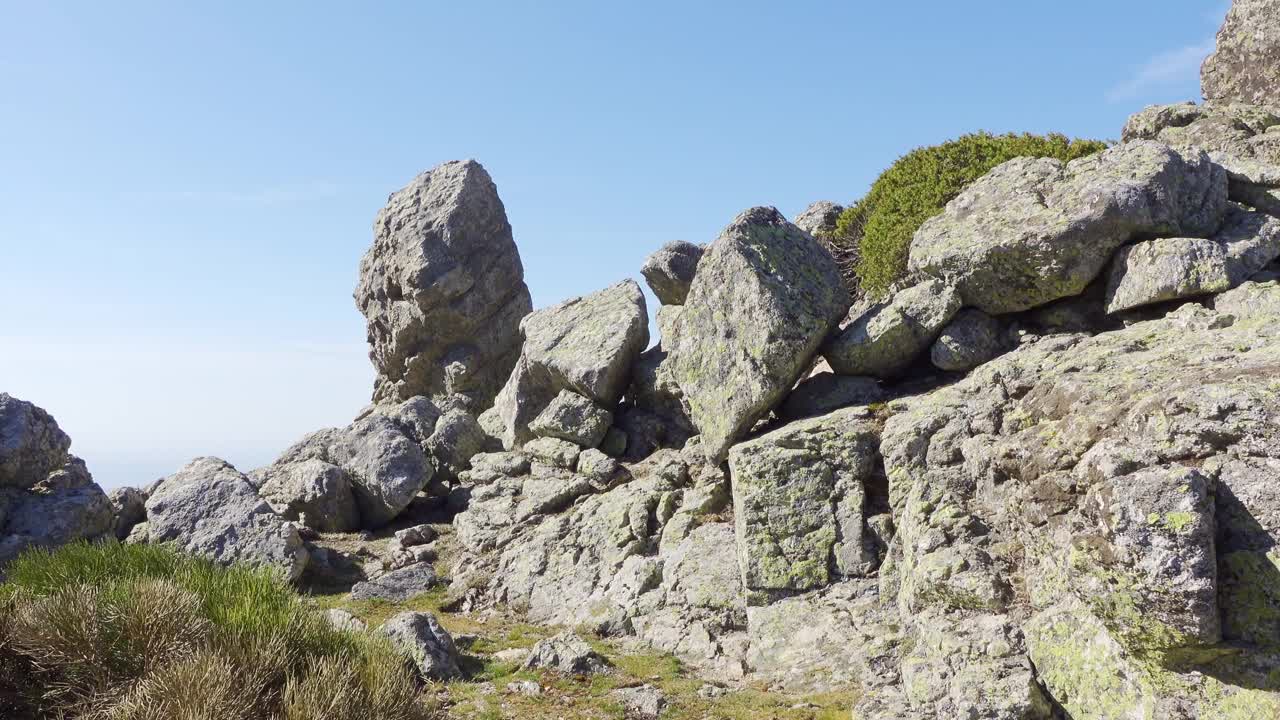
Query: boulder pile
(1040,479)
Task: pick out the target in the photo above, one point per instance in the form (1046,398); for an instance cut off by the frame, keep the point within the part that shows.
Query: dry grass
(114,632)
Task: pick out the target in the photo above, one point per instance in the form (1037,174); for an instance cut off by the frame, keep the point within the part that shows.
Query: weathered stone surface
(839,637)
(315,493)
(457,437)
(765,297)
(587,345)
(129,506)
(398,585)
(428,645)
(208,508)
(821,393)
(969,340)
(886,339)
(566,653)
(1095,469)
(1245,67)
(345,620)
(1241,138)
(573,417)
(1173,268)
(1250,300)
(819,219)
(31,443)
(1153,559)
(442,289)
(387,468)
(63,507)
(798,495)
(1035,230)
(554,452)
(645,701)
(670,270)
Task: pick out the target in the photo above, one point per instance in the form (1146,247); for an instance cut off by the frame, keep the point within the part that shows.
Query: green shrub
(130,632)
(877,230)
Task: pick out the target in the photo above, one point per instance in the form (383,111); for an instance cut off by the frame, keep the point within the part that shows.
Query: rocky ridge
(1036,481)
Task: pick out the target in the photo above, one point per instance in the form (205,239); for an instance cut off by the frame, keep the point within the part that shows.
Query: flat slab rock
(398,585)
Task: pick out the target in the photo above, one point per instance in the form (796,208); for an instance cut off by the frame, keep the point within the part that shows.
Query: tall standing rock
(765,297)
(442,289)
(1246,65)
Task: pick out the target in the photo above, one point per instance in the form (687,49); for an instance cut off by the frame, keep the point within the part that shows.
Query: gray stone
(1154,543)
(63,507)
(567,653)
(313,446)
(554,452)
(315,493)
(1174,268)
(819,219)
(415,535)
(587,345)
(645,701)
(1245,67)
(885,340)
(823,392)
(654,390)
(670,270)
(969,340)
(398,585)
(31,443)
(345,620)
(129,506)
(387,468)
(1240,138)
(1035,230)
(456,438)
(210,509)
(428,645)
(597,466)
(442,289)
(1252,299)
(573,417)
(798,495)
(765,297)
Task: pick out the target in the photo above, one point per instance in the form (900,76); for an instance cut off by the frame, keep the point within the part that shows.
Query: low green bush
(135,632)
(877,230)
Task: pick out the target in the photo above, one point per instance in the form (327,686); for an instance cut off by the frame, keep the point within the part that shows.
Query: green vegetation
(874,234)
(130,632)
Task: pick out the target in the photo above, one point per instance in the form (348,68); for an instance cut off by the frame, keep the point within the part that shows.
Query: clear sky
(186,189)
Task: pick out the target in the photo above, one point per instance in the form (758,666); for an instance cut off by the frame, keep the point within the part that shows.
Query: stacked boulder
(47,496)
(573,368)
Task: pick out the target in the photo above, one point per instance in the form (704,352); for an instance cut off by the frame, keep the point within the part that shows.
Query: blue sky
(185,192)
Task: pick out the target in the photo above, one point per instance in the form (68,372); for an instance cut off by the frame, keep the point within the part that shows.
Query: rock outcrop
(1245,67)
(765,297)
(1035,230)
(442,289)
(47,496)
(586,345)
(210,509)
(1173,268)
(884,340)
